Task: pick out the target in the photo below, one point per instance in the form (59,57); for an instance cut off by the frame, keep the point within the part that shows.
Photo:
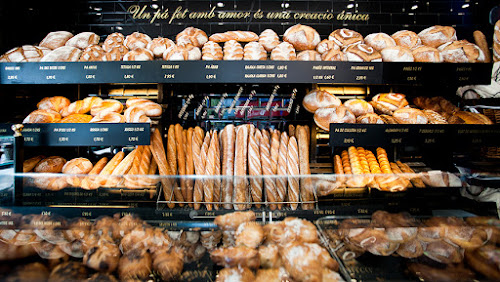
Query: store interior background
(27,22)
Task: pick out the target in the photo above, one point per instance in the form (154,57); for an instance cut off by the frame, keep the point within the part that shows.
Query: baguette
(208,187)
(292,164)
(121,169)
(306,191)
(228,137)
(148,167)
(254,165)
(414,178)
(109,168)
(181,162)
(275,145)
(405,180)
(217,182)
(291,130)
(89,182)
(281,182)
(189,165)
(158,152)
(200,169)
(265,158)
(172,149)
(131,179)
(482,43)
(240,169)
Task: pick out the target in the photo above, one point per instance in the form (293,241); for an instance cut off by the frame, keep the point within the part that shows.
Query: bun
(83,40)
(345,37)
(410,116)
(427,54)
(42,116)
(379,41)
(191,36)
(283,52)
(254,51)
(316,99)
(211,51)
(116,53)
(137,40)
(63,54)
(302,37)
(53,164)
(396,54)
(159,45)
(309,55)
(237,35)
(327,45)
(76,118)
(233,51)
(334,55)
(369,118)
(461,51)
(362,53)
(437,35)
(55,39)
(324,116)
(358,107)
(26,53)
(269,39)
(407,39)
(139,54)
(55,103)
(93,53)
(113,40)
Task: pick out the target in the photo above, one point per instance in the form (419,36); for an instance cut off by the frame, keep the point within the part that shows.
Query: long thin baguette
(292,163)
(265,158)
(131,179)
(306,189)
(217,180)
(281,182)
(228,139)
(158,152)
(172,149)
(254,165)
(108,169)
(275,146)
(189,165)
(208,187)
(240,169)
(200,169)
(89,182)
(181,162)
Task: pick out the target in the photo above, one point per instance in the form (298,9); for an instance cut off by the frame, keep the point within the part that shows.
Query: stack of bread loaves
(60,109)
(234,153)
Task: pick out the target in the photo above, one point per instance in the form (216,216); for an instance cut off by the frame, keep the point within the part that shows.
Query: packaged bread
(55,39)
(317,98)
(83,40)
(302,37)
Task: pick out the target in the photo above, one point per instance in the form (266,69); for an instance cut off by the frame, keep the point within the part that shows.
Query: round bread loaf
(410,116)
(93,53)
(437,35)
(334,55)
(427,54)
(379,41)
(393,101)
(211,51)
(52,164)
(191,36)
(316,99)
(63,54)
(83,40)
(324,116)
(396,54)
(358,107)
(302,37)
(25,53)
(254,51)
(76,166)
(179,53)
(139,54)
(55,103)
(113,40)
(309,55)
(42,116)
(116,53)
(461,51)
(345,37)
(362,53)
(233,51)
(371,118)
(55,39)
(407,39)
(269,39)
(137,40)
(327,45)
(159,45)
(284,52)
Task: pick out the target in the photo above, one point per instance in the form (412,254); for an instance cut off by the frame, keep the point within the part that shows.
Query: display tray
(245,72)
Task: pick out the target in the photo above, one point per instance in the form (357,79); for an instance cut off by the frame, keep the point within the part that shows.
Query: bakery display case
(220,146)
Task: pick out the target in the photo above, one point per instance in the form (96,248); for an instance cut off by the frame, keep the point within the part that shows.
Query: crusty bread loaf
(282,181)
(427,54)
(83,40)
(396,54)
(115,39)
(25,53)
(52,164)
(358,107)
(362,53)
(407,39)
(106,105)
(136,40)
(434,117)
(80,106)
(371,118)
(462,117)
(317,98)
(29,164)
(159,45)
(238,35)
(437,35)
(42,116)
(139,54)
(269,39)
(309,55)
(55,39)
(107,117)
(334,55)
(254,51)
(302,37)
(233,51)
(327,45)
(191,36)
(345,37)
(115,54)
(211,51)
(76,118)
(461,51)
(151,108)
(241,196)
(379,41)
(63,54)
(324,116)
(55,103)
(255,165)
(76,166)
(93,53)
(391,101)
(181,53)
(136,114)
(410,116)
(283,52)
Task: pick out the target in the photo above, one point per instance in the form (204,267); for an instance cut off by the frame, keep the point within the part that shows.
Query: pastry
(309,55)
(269,39)
(135,264)
(324,116)
(238,35)
(427,54)
(269,256)
(159,45)
(102,257)
(379,41)
(302,37)
(241,274)
(211,51)
(115,39)
(249,234)
(345,37)
(240,256)
(70,270)
(437,35)
(254,51)
(396,54)
(362,53)
(191,36)
(231,221)
(358,107)
(317,98)
(233,51)
(407,39)
(283,52)
(55,39)
(168,263)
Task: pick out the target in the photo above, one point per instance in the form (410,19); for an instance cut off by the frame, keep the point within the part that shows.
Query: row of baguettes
(300,42)
(239,151)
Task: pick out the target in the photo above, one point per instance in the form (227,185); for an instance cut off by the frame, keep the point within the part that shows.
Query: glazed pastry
(135,264)
(168,263)
(104,256)
(269,256)
(240,256)
(231,221)
(249,234)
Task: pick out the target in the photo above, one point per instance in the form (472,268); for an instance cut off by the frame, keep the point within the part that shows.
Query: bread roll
(180,53)
(55,103)
(83,40)
(55,39)
(63,54)
(427,54)
(324,116)
(407,39)
(345,37)
(362,53)
(327,45)
(25,53)
(138,54)
(238,35)
(461,52)
(370,118)
(358,107)
(211,52)
(437,35)
(137,40)
(93,53)
(309,55)
(302,37)
(115,39)
(254,51)
(283,52)
(52,164)
(396,54)
(115,54)
(317,98)
(334,55)
(42,116)
(191,36)
(233,51)
(410,116)
(159,45)
(379,41)
(269,39)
